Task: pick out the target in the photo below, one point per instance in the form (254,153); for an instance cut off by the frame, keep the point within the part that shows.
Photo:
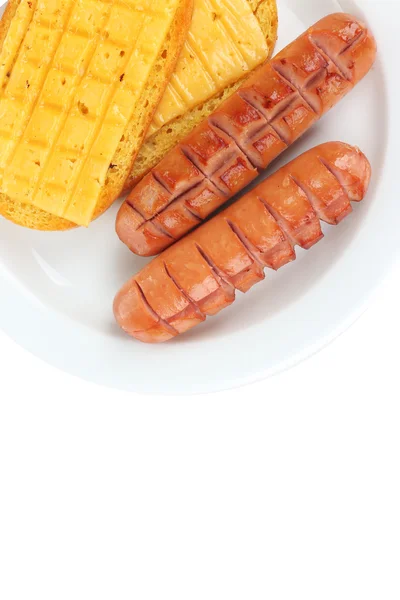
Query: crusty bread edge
(34,218)
(159,144)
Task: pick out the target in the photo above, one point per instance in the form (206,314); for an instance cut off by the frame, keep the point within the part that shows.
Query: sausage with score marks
(275,106)
(198,276)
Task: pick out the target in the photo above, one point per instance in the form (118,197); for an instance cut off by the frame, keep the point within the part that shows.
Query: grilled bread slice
(171,133)
(80,81)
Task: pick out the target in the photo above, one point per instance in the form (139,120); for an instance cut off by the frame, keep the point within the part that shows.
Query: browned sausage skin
(197,277)
(275,106)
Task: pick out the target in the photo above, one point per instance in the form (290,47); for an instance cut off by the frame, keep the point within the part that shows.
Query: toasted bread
(30,216)
(161,142)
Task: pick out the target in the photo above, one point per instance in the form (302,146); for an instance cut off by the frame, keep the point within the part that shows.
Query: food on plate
(198,276)
(273,108)
(227,39)
(80,80)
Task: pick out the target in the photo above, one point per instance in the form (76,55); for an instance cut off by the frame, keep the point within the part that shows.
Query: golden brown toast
(28,215)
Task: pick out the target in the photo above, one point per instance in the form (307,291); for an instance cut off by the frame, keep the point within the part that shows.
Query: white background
(282,490)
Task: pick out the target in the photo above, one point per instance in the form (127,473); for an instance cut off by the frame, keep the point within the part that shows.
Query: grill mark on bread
(210,75)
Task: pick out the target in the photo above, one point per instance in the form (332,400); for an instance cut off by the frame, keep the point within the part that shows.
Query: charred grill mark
(202,170)
(236,152)
(287,104)
(219,125)
(292,82)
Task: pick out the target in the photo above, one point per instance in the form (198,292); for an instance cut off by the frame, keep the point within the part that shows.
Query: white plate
(57,288)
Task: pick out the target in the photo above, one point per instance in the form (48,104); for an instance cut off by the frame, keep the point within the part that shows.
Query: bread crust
(32,217)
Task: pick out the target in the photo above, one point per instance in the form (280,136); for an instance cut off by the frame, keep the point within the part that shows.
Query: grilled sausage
(198,276)
(275,106)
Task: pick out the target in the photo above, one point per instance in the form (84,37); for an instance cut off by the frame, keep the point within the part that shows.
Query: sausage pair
(273,108)
(198,276)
